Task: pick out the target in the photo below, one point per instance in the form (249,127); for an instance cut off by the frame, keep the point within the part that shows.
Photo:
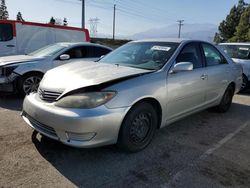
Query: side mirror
(64,57)
(182,66)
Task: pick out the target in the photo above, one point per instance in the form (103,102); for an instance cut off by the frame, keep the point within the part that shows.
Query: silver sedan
(130,93)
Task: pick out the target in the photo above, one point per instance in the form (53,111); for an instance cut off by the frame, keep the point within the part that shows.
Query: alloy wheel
(31,84)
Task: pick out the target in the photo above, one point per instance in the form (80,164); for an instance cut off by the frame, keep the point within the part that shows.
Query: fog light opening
(80,136)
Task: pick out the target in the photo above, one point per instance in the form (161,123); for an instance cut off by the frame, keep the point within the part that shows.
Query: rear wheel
(226,100)
(138,127)
(29,83)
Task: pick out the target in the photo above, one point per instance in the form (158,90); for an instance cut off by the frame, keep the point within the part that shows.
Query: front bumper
(75,127)
(7,83)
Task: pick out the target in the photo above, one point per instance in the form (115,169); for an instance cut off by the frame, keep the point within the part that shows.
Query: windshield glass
(48,51)
(237,51)
(144,55)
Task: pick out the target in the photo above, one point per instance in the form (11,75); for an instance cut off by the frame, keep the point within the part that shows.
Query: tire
(244,83)
(226,100)
(29,83)
(138,128)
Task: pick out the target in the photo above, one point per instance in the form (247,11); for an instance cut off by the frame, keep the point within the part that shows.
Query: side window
(6,32)
(212,55)
(99,51)
(78,52)
(190,53)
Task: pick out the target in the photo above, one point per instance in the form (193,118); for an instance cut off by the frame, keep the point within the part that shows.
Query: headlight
(86,100)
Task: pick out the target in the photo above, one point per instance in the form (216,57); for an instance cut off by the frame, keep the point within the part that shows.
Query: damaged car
(130,93)
(23,73)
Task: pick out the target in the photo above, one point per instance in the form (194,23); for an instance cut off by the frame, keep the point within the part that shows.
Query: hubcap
(140,127)
(31,84)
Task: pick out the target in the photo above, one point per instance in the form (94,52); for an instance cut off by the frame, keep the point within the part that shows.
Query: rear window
(6,32)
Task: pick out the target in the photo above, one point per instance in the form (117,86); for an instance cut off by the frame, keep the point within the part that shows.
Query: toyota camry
(130,93)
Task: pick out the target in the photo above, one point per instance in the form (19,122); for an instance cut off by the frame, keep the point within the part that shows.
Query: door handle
(204,76)
(10,45)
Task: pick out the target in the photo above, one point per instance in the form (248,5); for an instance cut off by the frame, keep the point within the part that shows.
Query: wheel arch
(155,103)
(31,73)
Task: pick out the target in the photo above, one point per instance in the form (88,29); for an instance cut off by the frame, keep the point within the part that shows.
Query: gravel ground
(204,150)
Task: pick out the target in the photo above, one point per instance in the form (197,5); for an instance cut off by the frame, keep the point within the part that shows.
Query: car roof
(83,44)
(174,40)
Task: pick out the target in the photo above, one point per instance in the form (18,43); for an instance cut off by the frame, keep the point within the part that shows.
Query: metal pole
(114,22)
(180,25)
(83,13)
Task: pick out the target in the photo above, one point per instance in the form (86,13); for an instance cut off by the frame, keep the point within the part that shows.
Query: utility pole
(83,13)
(180,25)
(114,22)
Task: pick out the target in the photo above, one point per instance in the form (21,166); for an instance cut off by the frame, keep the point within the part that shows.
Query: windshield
(48,51)
(237,51)
(144,55)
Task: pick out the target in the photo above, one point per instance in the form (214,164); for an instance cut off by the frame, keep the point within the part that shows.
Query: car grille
(40,127)
(49,96)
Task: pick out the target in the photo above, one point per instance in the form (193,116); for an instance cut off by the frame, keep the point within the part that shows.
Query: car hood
(82,74)
(17,59)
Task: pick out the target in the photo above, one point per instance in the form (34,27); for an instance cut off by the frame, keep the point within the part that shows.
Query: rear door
(186,90)
(7,39)
(217,72)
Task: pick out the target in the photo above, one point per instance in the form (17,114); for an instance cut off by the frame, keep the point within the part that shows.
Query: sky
(132,16)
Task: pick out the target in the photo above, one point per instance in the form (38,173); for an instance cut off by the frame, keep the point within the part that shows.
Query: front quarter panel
(152,85)
(40,66)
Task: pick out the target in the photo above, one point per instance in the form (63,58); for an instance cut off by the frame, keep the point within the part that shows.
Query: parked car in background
(240,53)
(138,88)
(23,73)
(18,37)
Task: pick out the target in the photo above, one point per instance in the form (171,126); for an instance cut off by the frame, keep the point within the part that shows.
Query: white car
(23,73)
(240,53)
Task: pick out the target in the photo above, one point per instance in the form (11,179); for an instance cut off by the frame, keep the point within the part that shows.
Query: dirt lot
(205,150)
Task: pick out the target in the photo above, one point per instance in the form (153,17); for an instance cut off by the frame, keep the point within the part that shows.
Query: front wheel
(138,128)
(226,100)
(29,83)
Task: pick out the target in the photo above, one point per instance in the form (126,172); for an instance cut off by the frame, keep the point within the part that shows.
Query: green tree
(227,27)
(4,15)
(242,33)
(19,16)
